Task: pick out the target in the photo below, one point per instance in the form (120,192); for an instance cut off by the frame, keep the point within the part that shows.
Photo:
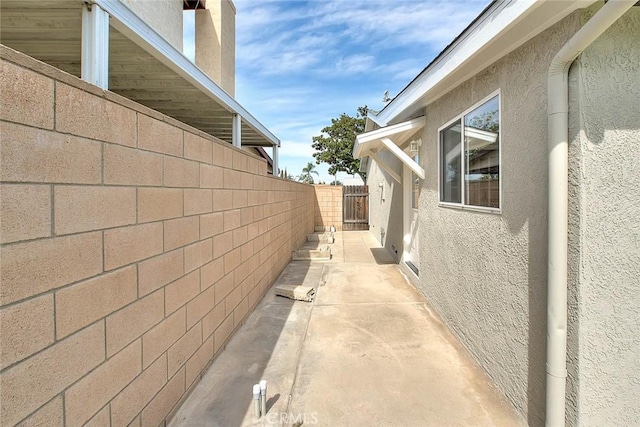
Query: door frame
(408,213)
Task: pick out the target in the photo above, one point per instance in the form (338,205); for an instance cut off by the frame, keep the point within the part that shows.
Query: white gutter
(499,17)
(139,32)
(558,120)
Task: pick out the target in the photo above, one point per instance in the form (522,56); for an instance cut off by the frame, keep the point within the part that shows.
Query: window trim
(460,117)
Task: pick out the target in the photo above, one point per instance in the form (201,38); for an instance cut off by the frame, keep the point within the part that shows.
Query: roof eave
(475,49)
(363,139)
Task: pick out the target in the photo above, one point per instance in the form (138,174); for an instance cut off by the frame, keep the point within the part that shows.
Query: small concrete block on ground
(296,292)
(320,254)
(327,237)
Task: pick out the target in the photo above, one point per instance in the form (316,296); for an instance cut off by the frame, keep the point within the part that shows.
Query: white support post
(276,171)
(95,46)
(404,157)
(236,131)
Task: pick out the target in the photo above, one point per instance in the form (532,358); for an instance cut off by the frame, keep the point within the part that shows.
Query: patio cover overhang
(142,66)
(395,139)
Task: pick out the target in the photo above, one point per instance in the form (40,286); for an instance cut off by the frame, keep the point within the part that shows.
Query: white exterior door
(411,193)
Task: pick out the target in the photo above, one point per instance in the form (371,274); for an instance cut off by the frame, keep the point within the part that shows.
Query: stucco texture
(604,379)
(215,42)
(164,16)
(485,273)
(385,211)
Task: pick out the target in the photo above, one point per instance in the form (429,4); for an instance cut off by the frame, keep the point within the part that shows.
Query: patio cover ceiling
(143,66)
(393,138)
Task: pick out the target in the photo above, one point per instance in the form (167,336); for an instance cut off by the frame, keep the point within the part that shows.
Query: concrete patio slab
(366,352)
(350,283)
(389,364)
(361,246)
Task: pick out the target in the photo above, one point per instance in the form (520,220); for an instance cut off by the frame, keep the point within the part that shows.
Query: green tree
(335,145)
(284,174)
(486,121)
(307,173)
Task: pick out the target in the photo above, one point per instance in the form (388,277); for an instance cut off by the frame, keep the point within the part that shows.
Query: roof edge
(488,27)
(138,31)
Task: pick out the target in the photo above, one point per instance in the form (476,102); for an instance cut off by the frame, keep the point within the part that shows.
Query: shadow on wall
(382,256)
(385,212)
(537,342)
(244,361)
(533,216)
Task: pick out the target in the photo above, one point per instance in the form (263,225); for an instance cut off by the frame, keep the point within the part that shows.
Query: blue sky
(301,63)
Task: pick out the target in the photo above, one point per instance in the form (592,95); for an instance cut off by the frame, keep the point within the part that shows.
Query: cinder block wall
(132,247)
(328,206)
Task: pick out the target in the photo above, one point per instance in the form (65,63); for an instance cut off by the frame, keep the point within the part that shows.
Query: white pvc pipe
(558,120)
(256,400)
(263,396)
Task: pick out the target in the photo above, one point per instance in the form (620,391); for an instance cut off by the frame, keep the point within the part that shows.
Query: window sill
(494,211)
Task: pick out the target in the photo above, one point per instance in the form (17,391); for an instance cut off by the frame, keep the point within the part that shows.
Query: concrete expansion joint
(301,349)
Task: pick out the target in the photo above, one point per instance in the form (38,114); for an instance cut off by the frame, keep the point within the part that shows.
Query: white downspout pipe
(276,162)
(558,120)
(94,59)
(236,130)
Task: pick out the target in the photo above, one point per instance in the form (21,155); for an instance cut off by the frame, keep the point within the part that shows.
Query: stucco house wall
(164,16)
(485,273)
(385,204)
(215,42)
(132,246)
(228,47)
(604,234)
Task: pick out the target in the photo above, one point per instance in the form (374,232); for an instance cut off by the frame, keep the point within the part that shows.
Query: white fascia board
(364,141)
(500,18)
(138,31)
(374,119)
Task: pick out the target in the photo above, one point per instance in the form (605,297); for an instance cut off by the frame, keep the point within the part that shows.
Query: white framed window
(469,158)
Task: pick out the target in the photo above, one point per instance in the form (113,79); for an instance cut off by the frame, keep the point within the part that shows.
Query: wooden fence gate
(355,206)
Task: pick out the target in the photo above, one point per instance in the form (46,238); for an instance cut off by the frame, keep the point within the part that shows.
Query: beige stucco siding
(215,49)
(385,211)
(164,16)
(228,48)
(485,273)
(604,229)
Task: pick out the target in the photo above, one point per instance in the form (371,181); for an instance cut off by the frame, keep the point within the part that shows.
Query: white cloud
(292,149)
(355,64)
(397,23)
(281,38)
(299,64)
